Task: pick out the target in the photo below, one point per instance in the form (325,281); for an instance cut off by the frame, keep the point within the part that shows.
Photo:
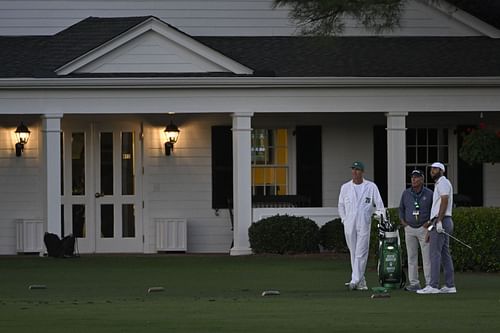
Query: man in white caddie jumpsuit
(357,202)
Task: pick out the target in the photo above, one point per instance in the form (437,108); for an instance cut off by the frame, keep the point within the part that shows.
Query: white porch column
(242,182)
(396,156)
(51,129)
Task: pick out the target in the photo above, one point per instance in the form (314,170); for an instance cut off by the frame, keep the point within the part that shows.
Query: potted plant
(481,145)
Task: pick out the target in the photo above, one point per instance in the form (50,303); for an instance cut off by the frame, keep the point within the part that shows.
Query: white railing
(171,234)
(29,236)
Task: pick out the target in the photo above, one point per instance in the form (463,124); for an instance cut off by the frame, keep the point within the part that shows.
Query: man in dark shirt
(414,214)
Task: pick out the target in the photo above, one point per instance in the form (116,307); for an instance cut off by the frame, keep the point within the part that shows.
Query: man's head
(417,179)
(437,170)
(357,170)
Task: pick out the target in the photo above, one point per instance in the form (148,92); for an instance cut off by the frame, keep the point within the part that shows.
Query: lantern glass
(22,134)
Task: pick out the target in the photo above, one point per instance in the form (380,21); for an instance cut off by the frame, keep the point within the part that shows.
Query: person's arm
(442,207)
(341,205)
(378,200)
(379,204)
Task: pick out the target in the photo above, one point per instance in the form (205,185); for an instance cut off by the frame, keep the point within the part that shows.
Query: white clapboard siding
(21,182)
(180,185)
(203,18)
(151,52)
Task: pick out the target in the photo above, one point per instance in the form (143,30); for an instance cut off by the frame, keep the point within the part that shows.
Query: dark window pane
(443,154)
(422,136)
(128,221)
(78,163)
(62,220)
(107,163)
(445,137)
(411,137)
(128,172)
(411,155)
(433,154)
(107,221)
(422,155)
(62,163)
(433,136)
(79,221)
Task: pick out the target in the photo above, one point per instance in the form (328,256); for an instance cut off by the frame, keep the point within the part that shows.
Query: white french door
(102,200)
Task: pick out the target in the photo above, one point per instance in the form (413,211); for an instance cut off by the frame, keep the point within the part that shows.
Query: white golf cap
(438,165)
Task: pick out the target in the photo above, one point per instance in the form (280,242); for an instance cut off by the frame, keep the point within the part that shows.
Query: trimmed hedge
(477,226)
(332,238)
(282,234)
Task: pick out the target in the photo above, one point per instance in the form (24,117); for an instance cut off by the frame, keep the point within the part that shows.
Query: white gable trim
(166,31)
(465,18)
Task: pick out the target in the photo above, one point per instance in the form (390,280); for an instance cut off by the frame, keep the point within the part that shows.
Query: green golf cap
(358,165)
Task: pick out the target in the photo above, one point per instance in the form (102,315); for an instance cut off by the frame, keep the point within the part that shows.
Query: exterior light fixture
(22,135)
(171,136)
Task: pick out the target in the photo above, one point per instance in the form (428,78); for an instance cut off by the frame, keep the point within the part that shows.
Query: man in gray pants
(414,214)
(439,242)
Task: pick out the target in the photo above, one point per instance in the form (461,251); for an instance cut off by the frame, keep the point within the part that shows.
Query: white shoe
(448,290)
(428,290)
(351,286)
(362,285)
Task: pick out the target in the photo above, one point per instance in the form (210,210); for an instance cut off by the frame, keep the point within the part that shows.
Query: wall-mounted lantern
(22,136)
(171,136)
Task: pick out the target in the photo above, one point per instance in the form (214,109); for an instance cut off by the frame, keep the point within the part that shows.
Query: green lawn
(223,294)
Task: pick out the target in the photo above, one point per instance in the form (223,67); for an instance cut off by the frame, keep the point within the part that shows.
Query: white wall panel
(20,180)
(202,18)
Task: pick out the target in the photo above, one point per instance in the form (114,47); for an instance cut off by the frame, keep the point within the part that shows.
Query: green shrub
(480,228)
(282,234)
(477,226)
(332,238)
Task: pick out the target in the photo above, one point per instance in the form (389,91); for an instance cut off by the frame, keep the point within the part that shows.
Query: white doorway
(102,186)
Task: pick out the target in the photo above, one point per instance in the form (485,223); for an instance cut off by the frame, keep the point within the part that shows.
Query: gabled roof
(364,56)
(120,40)
(485,10)
(42,57)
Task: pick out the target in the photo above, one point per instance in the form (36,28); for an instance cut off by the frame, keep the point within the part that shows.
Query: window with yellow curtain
(270,161)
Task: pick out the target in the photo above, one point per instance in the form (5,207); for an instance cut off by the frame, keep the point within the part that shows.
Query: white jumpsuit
(357,204)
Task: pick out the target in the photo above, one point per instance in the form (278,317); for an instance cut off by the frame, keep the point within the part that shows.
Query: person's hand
(427,237)
(439,227)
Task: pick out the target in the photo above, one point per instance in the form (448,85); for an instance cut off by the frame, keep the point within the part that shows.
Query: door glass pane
(128,221)
(62,220)
(62,162)
(78,163)
(127,158)
(107,163)
(79,221)
(107,221)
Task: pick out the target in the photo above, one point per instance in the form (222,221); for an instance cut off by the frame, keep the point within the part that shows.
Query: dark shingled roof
(364,56)
(270,56)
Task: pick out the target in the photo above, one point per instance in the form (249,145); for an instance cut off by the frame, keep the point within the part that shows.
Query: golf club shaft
(458,240)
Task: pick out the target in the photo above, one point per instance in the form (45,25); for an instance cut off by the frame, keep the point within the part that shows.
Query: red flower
(482,125)
(498,134)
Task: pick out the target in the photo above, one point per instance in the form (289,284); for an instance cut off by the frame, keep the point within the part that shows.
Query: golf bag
(389,267)
(59,248)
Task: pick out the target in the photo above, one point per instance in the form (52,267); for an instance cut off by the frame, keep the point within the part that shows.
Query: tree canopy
(327,17)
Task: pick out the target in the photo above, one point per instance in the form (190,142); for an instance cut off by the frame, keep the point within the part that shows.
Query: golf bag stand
(389,266)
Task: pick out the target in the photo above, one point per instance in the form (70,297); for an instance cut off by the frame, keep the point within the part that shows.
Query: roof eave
(244,82)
